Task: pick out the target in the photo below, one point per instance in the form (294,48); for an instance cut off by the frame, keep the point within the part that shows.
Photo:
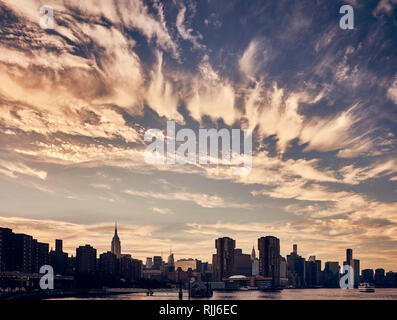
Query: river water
(286,294)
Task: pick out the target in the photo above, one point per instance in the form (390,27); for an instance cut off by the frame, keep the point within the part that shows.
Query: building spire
(253,255)
(116,245)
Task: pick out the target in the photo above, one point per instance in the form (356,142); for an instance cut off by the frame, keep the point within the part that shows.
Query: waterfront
(287,294)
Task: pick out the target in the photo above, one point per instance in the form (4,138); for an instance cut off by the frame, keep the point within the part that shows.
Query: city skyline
(76,101)
(348,251)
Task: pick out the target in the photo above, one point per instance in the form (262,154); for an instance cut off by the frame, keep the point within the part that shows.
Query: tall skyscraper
(40,255)
(356,268)
(254,263)
(380,278)
(7,261)
(331,274)
(224,258)
(23,253)
(349,256)
(71,265)
(171,260)
(149,263)
(86,259)
(283,269)
(242,263)
(108,263)
(253,254)
(255,267)
(157,262)
(58,258)
(313,272)
(296,268)
(116,245)
(129,268)
(269,258)
(170,263)
(58,245)
(391,279)
(355,264)
(367,275)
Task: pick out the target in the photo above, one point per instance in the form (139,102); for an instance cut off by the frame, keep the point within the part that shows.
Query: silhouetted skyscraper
(380,279)
(58,258)
(269,258)
(149,263)
(331,274)
(157,262)
(356,268)
(223,261)
(58,245)
(254,263)
(86,259)
(171,263)
(313,272)
(296,268)
(355,264)
(242,263)
(349,255)
(108,263)
(129,268)
(367,275)
(171,260)
(116,245)
(7,257)
(253,254)
(23,253)
(391,279)
(283,269)
(40,255)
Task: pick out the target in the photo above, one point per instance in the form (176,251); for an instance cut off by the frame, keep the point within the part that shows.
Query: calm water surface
(287,294)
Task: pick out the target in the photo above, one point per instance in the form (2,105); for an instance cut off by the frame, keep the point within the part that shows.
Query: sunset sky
(76,101)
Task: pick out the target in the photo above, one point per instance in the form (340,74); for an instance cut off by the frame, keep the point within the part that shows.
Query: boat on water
(366,287)
(248,288)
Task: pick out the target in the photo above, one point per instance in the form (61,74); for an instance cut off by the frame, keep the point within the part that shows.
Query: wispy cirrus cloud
(12,169)
(78,99)
(392,92)
(201,199)
(162,210)
(186,32)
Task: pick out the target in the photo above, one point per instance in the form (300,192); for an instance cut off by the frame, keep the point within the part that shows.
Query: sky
(76,101)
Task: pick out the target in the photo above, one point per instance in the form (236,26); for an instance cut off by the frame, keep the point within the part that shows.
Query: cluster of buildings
(230,267)
(23,254)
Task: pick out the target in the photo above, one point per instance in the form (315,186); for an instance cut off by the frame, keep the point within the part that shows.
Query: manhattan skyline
(116,248)
(76,101)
